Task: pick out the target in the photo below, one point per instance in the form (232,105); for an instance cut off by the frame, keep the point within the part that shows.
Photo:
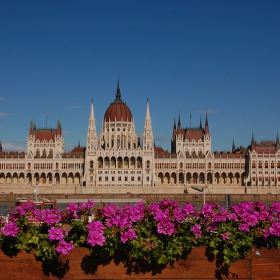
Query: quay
(133,197)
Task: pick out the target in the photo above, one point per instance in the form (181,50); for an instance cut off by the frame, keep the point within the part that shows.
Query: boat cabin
(40,205)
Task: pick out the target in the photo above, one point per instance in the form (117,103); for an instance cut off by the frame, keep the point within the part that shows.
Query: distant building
(120,161)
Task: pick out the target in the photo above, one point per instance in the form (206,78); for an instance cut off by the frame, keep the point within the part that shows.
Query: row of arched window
(119,162)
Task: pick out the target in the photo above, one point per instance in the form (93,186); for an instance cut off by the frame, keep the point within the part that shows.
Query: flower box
(197,265)
(144,240)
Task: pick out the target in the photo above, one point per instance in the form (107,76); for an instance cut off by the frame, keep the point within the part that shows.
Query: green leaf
(162,259)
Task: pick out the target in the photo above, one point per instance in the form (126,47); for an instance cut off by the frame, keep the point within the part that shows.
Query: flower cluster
(151,231)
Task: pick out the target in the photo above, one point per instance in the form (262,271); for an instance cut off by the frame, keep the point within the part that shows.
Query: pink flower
(64,247)
(196,229)
(275,229)
(166,227)
(128,235)
(95,238)
(95,234)
(225,235)
(55,233)
(11,229)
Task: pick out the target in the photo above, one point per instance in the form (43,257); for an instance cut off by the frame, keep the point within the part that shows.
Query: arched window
(91,164)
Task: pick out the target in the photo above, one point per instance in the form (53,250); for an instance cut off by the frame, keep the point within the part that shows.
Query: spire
(148,138)
(148,117)
(59,129)
(179,131)
(253,142)
(277,139)
(118,92)
(31,128)
(206,124)
(233,147)
(91,111)
(174,129)
(0,146)
(91,135)
(200,124)
(179,120)
(252,139)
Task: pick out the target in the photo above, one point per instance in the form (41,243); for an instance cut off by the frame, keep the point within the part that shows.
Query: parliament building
(120,161)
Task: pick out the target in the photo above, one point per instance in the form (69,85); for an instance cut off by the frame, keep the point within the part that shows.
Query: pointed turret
(206,125)
(1,147)
(148,138)
(118,92)
(253,142)
(59,128)
(277,139)
(200,124)
(174,129)
(233,147)
(31,128)
(91,135)
(179,130)
(252,139)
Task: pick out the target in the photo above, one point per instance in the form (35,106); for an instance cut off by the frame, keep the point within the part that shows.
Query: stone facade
(120,161)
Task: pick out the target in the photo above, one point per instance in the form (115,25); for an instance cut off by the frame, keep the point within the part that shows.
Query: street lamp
(36,193)
(202,189)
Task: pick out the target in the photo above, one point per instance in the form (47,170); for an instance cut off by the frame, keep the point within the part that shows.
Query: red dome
(118,110)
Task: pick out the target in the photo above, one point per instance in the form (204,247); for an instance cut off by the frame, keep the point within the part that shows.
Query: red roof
(264,147)
(159,150)
(265,150)
(45,134)
(195,134)
(78,150)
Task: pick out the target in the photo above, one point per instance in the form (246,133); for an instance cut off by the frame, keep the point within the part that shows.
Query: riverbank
(219,198)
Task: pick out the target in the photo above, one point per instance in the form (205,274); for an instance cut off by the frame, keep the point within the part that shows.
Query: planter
(259,264)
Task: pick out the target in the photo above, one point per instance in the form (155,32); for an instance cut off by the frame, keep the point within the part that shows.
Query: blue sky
(186,57)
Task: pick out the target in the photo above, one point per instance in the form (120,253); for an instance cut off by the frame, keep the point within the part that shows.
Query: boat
(43,204)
